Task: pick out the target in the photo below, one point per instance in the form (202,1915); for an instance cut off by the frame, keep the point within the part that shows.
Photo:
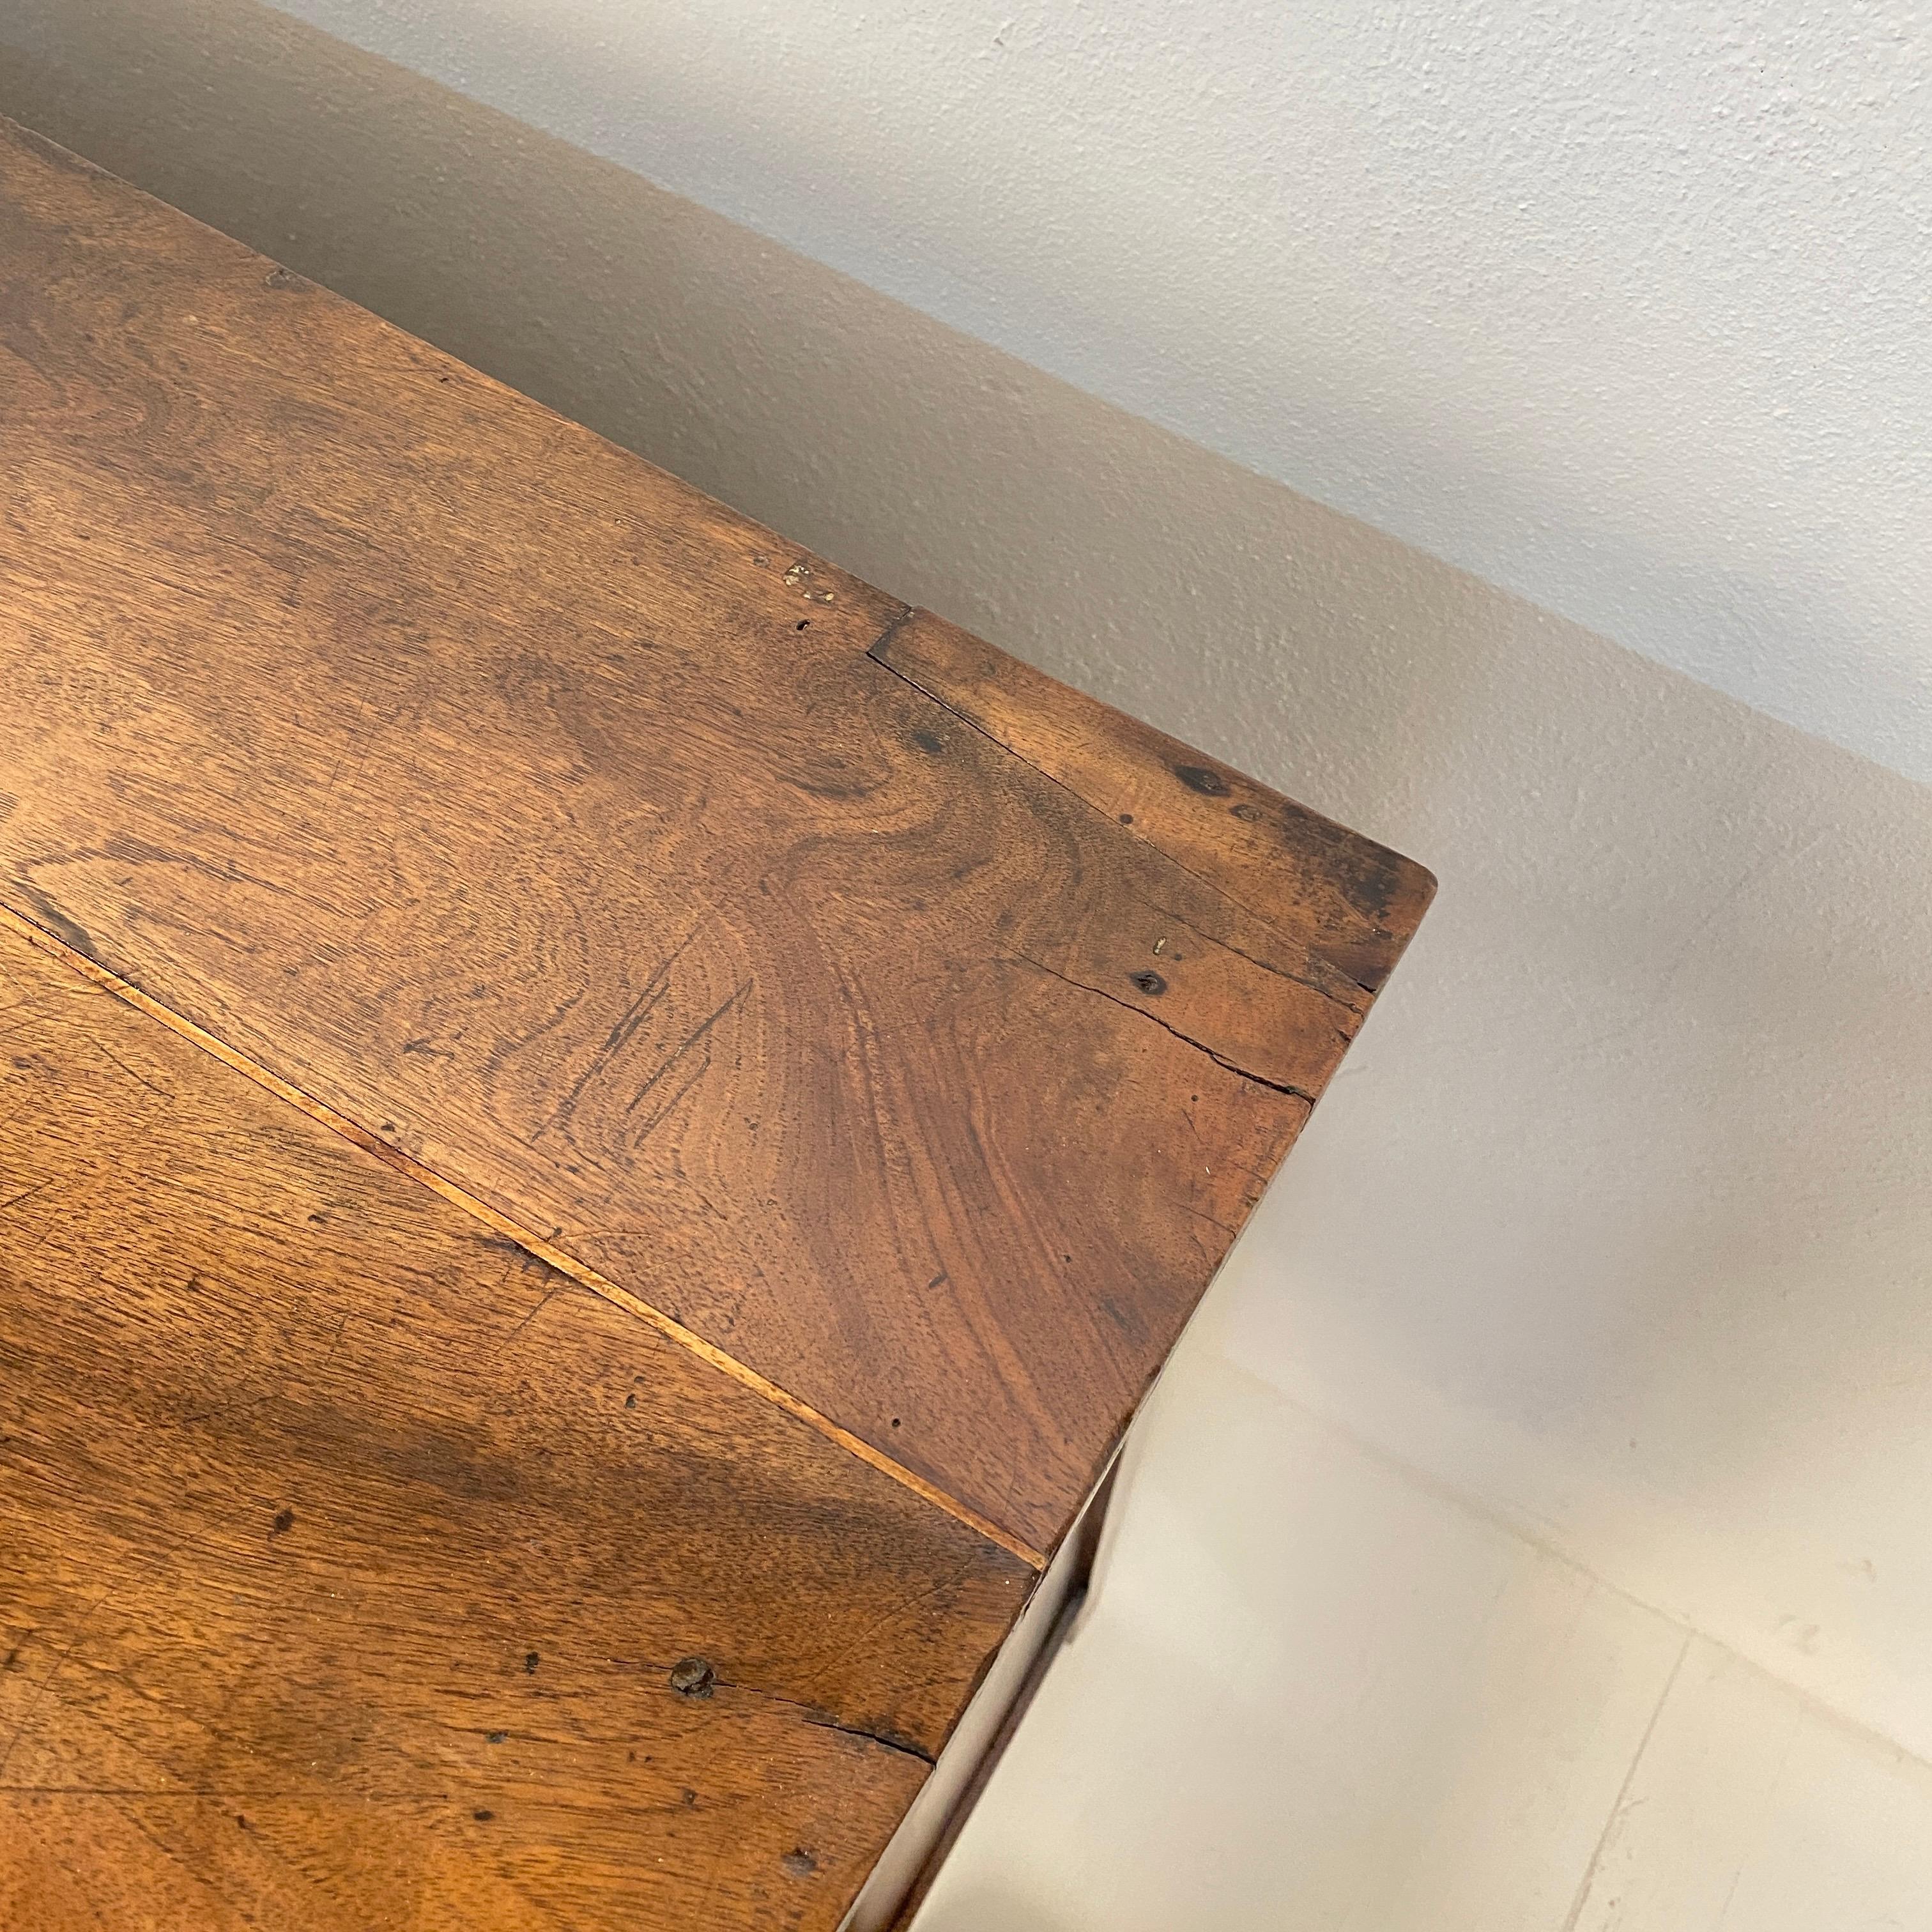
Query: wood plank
(553,823)
(1351,903)
(346,1550)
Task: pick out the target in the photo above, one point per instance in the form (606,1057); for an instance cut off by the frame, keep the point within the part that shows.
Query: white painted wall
(1626,308)
(1580,1365)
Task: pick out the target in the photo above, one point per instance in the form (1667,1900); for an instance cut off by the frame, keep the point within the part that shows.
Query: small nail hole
(692,1677)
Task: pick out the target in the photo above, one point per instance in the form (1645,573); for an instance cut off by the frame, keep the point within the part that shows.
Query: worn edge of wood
(44,148)
(1103,727)
(902,619)
(1145,738)
(1055,1642)
(528,1239)
(1083,1545)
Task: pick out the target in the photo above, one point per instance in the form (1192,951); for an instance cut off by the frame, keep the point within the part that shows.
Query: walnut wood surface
(555,824)
(1350,903)
(346,1550)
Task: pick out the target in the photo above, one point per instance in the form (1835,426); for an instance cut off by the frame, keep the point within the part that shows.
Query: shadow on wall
(1614,1219)
(945,471)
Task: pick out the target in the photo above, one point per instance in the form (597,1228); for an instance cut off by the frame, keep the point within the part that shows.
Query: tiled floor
(1752,1810)
(1312,1693)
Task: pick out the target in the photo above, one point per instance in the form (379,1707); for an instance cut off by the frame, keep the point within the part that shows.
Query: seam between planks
(1221,891)
(564,1264)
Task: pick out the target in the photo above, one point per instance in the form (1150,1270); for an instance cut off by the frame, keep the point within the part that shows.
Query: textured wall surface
(1623,307)
(1613,1239)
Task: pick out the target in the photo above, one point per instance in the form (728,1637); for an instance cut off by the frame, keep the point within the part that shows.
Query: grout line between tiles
(1616,1810)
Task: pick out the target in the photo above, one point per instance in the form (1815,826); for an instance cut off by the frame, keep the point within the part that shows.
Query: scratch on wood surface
(545,1250)
(45,1688)
(880,654)
(1187,1039)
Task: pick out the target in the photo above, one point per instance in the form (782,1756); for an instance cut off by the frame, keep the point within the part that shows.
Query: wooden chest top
(587,1091)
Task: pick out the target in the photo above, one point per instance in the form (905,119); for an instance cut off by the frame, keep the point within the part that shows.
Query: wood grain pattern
(532,1243)
(346,1550)
(1352,904)
(555,825)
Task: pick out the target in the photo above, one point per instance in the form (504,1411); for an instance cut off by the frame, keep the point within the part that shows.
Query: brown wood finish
(554,824)
(346,1550)
(525,1238)
(1350,903)
(578,1088)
